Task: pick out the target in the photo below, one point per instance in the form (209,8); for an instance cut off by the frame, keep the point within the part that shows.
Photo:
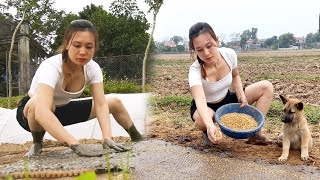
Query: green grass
(119,87)
(14,102)
(171,100)
(109,87)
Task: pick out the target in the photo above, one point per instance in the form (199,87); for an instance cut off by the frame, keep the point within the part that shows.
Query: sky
(271,17)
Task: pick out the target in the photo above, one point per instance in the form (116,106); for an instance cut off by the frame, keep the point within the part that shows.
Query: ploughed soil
(293,73)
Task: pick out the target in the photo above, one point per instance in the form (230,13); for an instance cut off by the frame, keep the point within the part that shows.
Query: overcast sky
(271,17)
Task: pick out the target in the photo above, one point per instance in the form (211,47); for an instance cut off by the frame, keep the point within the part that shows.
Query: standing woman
(210,78)
(63,77)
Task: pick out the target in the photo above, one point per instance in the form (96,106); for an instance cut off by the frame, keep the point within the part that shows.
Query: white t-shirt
(214,91)
(50,73)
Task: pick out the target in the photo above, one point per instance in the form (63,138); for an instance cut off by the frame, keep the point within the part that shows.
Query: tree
(285,40)
(222,37)
(4,14)
(10,56)
(254,32)
(125,8)
(246,34)
(235,36)
(118,34)
(154,6)
(176,39)
(41,17)
(270,41)
(312,39)
(62,25)
(129,29)
(180,48)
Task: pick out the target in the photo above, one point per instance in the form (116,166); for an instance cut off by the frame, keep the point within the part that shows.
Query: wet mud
(156,159)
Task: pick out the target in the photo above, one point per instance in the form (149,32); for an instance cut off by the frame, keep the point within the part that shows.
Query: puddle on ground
(155,159)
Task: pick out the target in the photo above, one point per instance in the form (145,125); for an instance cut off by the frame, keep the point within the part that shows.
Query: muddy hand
(110,144)
(34,150)
(82,150)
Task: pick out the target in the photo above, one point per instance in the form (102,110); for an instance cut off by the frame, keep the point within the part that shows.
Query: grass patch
(181,101)
(119,87)
(14,102)
(311,112)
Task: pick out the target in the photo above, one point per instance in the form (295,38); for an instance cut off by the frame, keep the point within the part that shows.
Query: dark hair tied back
(81,24)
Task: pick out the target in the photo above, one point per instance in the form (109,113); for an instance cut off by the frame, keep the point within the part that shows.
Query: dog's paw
(282,158)
(304,157)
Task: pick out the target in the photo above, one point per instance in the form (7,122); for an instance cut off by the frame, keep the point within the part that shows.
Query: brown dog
(295,131)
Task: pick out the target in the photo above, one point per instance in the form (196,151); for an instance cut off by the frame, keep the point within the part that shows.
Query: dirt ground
(302,79)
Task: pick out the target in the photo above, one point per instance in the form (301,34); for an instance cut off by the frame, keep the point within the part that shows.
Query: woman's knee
(198,120)
(199,124)
(29,109)
(267,87)
(114,103)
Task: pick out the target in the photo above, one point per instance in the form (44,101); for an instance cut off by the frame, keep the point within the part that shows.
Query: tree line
(246,40)
(122,28)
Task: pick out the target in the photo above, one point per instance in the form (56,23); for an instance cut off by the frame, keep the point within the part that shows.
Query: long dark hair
(76,26)
(195,31)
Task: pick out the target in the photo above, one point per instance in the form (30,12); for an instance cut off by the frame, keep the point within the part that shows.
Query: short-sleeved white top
(214,91)
(50,73)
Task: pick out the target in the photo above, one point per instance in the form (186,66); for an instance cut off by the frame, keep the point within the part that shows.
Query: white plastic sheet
(136,104)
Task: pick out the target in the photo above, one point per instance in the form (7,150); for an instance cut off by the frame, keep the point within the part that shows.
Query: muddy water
(154,159)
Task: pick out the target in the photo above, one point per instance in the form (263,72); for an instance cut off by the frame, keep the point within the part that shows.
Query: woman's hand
(243,101)
(110,144)
(214,134)
(85,150)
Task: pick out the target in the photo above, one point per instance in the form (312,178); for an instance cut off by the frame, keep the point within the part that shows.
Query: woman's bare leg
(121,115)
(37,131)
(260,93)
(201,126)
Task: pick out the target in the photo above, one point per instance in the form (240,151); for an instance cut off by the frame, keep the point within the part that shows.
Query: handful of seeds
(238,121)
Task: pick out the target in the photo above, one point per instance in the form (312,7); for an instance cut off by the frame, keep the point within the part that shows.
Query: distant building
(170,44)
(300,40)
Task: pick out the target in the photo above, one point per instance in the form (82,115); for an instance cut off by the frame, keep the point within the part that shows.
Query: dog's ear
(299,106)
(283,99)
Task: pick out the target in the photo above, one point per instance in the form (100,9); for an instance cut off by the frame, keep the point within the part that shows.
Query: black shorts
(75,111)
(231,97)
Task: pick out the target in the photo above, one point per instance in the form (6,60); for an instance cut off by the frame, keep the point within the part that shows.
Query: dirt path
(152,159)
